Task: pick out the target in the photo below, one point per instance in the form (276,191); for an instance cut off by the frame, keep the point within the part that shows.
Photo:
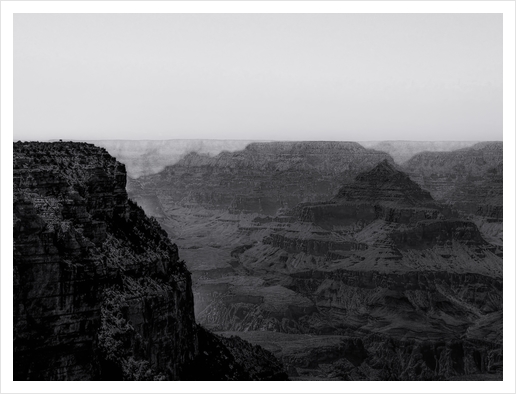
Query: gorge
(299,260)
(305,248)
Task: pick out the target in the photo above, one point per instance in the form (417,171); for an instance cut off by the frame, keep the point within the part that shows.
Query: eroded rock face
(99,290)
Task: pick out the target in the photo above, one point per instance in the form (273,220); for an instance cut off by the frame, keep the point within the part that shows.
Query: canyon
(340,261)
(263,261)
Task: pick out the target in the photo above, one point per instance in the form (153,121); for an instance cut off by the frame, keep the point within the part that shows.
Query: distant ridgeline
(401,151)
(99,289)
(265,177)
(465,174)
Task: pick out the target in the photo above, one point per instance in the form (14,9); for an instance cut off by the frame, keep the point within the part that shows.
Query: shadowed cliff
(99,289)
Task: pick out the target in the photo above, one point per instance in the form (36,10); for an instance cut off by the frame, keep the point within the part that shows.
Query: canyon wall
(99,290)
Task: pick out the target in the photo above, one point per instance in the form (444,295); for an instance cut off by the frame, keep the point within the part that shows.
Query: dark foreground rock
(232,358)
(99,289)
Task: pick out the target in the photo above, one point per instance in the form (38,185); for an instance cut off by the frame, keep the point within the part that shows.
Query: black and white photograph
(295,197)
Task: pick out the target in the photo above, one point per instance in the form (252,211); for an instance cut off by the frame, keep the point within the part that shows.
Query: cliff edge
(99,290)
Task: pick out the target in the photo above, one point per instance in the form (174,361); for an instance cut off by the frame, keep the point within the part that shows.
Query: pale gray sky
(258,76)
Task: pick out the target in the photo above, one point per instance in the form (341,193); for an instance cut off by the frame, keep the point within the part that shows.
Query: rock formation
(381,193)
(99,289)
(369,278)
(384,184)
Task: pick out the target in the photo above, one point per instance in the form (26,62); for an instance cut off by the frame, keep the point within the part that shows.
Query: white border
(8,8)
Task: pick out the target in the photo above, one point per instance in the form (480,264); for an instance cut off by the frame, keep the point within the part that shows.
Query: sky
(360,77)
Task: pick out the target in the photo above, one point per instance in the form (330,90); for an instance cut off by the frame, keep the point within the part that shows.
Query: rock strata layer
(377,280)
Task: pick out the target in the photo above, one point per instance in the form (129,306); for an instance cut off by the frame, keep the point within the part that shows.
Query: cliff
(99,289)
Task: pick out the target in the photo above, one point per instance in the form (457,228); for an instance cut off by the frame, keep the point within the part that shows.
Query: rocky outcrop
(99,289)
(384,192)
